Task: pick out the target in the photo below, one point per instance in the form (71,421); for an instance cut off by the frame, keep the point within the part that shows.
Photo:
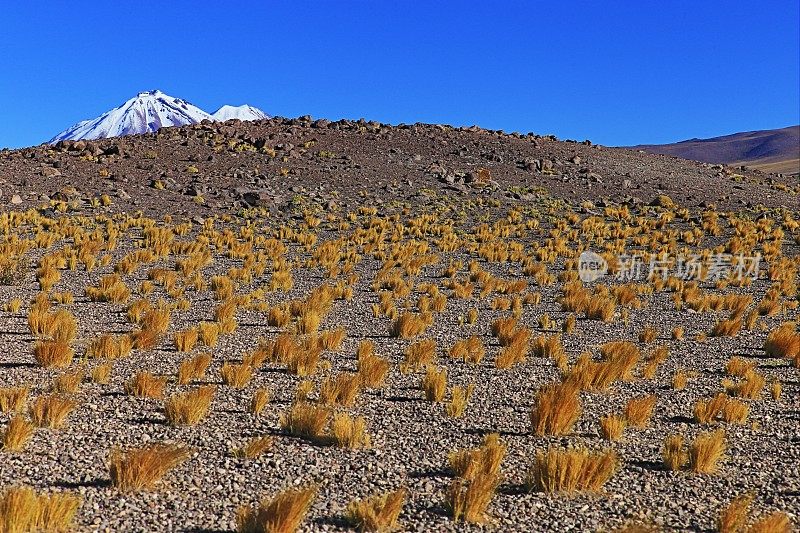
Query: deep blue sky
(614,72)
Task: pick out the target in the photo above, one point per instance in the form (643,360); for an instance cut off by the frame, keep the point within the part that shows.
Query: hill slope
(768,150)
(269,162)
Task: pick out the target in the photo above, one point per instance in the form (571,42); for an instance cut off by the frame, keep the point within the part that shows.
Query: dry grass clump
(372,369)
(568,326)
(737,366)
(13,399)
(194,368)
(627,296)
(680,379)
(259,401)
(53,354)
(408,325)
(208,333)
(154,324)
(776,389)
(557,470)
(13,305)
(16,435)
(706,451)
(482,461)
(61,326)
(223,287)
(434,384)
(308,322)
(136,310)
(621,357)
(708,410)
(110,347)
(734,517)
(638,411)
(503,329)
(648,335)
(776,522)
(612,426)
(619,360)
(302,360)
(735,412)
(142,468)
(750,386)
(784,342)
(185,340)
(110,289)
(51,411)
(306,420)
(721,406)
(511,355)
(146,385)
(23,510)
(279,317)
(332,339)
(418,355)
(146,339)
(68,382)
(459,396)
(101,374)
(39,318)
(283,513)
(349,432)
(377,513)
(468,500)
(253,448)
(726,328)
(236,376)
(548,346)
(556,409)
(470,350)
(477,474)
(340,390)
(189,408)
(674,454)
(600,307)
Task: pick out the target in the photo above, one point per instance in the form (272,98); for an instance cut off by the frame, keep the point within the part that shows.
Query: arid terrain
(325,326)
(776,151)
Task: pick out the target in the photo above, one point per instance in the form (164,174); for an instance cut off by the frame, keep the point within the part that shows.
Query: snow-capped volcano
(147,112)
(242,112)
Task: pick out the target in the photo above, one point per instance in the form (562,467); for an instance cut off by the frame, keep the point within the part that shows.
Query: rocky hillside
(211,166)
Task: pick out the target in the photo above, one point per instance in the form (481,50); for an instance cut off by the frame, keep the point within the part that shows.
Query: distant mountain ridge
(775,150)
(147,112)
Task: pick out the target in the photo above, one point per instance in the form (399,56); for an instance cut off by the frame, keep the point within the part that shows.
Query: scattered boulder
(436,169)
(258,198)
(662,200)
(50,172)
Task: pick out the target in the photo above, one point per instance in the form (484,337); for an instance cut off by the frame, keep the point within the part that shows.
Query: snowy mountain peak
(242,112)
(147,112)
